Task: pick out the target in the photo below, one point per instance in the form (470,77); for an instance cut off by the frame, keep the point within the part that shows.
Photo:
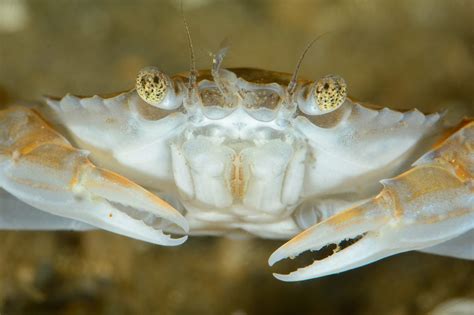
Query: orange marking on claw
(124,182)
(116,178)
(452,131)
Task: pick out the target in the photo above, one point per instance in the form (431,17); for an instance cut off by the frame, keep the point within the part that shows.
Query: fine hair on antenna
(292,85)
(193,72)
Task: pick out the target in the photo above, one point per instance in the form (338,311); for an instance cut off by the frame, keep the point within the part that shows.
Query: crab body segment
(235,154)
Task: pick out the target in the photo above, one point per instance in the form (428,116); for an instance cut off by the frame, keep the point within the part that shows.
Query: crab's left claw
(427,205)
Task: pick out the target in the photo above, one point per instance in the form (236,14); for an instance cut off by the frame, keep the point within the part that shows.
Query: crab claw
(351,224)
(427,205)
(43,170)
(100,198)
(128,208)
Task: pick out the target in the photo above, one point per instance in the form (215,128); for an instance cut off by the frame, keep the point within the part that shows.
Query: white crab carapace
(235,153)
(243,161)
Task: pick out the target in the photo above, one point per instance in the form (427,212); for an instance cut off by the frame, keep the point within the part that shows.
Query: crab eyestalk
(330,93)
(324,96)
(156,88)
(427,205)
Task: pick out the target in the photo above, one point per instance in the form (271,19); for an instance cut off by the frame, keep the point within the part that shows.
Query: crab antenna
(193,72)
(216,65)
(219,57)
(292,84)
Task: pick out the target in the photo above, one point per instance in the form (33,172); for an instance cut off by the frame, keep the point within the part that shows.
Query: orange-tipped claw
(42,169)
(428,205)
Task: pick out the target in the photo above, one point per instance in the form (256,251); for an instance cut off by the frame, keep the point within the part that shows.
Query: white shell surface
(363,148)
(237,167)
(119,136)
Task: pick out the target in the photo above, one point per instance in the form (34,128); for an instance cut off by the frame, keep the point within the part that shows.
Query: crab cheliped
(238,152)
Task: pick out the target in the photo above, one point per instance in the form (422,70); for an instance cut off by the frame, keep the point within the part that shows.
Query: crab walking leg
(428,205)
(42,169)
(459,247)
(17,215)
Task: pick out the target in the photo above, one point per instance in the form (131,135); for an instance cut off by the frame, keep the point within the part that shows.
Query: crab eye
(330,92)
(155,88)
(322,97)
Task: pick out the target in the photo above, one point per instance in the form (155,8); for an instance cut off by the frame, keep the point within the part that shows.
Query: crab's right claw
(427,205)
(129,209)
(42,169)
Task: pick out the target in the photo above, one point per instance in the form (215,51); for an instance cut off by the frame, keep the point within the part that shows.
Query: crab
(242,152)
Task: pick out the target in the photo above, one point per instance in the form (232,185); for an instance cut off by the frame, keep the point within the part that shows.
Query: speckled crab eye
(330,92)
(155,88)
